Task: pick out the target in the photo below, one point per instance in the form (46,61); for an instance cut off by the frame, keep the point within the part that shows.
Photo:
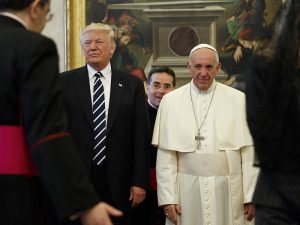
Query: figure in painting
(235,64)
(125,32)
(126,26)
(247,18)
(249,14)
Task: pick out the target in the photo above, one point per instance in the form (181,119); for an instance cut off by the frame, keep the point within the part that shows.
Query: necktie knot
(98,75)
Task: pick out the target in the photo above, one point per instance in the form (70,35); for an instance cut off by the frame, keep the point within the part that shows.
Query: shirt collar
(151,104)
(13,16)
(106,72)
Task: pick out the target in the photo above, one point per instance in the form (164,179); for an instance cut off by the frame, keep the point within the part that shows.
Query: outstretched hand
(99,214)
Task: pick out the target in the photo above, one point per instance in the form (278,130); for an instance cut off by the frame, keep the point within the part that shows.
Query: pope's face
(97,48)
(204,67)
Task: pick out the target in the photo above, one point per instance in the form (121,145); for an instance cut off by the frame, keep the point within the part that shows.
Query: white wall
(56,29)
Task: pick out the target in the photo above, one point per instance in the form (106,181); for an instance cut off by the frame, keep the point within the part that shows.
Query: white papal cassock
(212,183)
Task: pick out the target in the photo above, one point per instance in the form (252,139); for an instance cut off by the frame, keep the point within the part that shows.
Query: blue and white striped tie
(99,121)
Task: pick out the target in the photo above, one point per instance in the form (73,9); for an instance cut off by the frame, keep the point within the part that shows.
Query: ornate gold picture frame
(76,21)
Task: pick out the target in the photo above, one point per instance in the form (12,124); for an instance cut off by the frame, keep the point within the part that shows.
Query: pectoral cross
(198,139)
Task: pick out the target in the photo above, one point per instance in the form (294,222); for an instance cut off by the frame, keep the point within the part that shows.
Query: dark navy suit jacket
(127,160)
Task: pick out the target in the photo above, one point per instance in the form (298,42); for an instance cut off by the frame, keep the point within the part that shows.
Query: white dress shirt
(106,81)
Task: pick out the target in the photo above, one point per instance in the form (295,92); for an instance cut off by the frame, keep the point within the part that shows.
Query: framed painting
(152,33)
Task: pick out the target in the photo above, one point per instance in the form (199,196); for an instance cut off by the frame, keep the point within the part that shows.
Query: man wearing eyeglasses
(161,80)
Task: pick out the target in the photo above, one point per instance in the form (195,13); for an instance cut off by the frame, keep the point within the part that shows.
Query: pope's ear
(219,66)
(188,65)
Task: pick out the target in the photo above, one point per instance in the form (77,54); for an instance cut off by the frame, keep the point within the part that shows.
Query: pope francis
(205,172)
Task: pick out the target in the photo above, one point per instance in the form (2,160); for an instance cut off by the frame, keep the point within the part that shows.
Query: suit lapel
(116,92)
(83,90)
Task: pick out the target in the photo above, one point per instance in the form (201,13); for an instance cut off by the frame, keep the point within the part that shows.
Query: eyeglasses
(157,86)
(49,17)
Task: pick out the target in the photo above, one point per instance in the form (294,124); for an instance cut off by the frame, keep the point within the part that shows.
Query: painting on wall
(235,32)
(132,31)
(245,24)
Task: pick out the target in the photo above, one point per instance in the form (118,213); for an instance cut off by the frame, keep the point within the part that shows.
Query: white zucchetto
(203,46)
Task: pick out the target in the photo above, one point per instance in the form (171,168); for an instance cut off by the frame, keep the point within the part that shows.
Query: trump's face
(97,48)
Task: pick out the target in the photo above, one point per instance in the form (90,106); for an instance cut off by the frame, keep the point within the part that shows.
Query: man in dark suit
(120,175)
(161,80)
(273,113)
(42,179)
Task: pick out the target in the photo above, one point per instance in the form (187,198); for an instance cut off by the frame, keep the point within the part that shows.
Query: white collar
(106,72)
(151,105)
(13,16)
